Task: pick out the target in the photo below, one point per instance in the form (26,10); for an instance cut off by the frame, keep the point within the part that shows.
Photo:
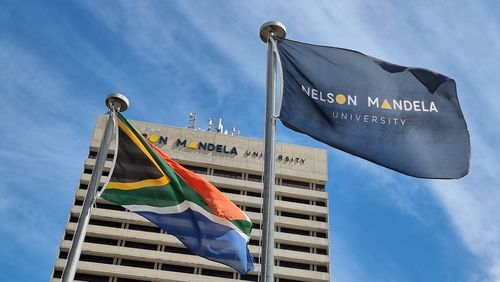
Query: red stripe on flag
(215,199)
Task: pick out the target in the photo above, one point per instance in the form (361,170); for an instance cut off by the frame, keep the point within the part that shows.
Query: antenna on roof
(210,124)
(192,120)
(235,132)
(220,127)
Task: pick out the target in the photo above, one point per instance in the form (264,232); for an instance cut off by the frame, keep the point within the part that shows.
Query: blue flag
(406,119)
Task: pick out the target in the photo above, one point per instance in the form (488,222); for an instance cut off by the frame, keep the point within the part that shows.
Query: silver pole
(267,263)
(115,102)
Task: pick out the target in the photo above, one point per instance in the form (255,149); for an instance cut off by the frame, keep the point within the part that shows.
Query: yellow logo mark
(153,138)
(386,105)
(193,145)
(340,99)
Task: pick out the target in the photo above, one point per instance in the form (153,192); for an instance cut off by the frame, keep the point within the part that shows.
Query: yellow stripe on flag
(139,184)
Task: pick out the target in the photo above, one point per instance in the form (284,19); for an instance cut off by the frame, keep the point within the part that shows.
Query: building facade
(122,246)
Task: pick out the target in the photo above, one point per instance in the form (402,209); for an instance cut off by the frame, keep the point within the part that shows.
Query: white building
(122,246)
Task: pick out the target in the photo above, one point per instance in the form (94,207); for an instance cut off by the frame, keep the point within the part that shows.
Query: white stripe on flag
(182,207)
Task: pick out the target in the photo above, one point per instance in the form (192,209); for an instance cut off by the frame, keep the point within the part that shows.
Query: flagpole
(267,30)
(115,102)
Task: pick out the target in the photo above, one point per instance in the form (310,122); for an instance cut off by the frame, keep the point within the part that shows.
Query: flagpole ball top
(275,27)
(117,101)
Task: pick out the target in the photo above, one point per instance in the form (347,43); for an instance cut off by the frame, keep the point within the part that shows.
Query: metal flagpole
(267,30)
(115,102)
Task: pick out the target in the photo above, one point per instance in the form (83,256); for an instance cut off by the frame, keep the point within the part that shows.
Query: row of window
(245,208)
(154,229)
(187,269)
(277,197)
(252,194)
(254,177)
(166,267)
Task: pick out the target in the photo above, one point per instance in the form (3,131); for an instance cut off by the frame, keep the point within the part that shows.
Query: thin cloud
(189,51)
(435,39)
(35,144)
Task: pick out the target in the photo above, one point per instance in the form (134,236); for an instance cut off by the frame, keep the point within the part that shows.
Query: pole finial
(117,101)
(275,27)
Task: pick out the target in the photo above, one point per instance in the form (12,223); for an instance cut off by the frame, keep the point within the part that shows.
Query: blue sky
(59,60)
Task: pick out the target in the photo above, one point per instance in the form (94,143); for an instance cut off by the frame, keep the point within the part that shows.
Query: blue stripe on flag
(206,238)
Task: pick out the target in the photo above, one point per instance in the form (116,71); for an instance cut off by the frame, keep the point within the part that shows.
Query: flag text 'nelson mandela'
(406,119)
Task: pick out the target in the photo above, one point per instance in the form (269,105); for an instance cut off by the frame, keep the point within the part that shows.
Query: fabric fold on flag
(148,182)
(403,118)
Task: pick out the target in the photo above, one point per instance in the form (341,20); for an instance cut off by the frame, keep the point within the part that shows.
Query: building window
(177,250)
(83,186)
(196,169)
(295,248)
(321,235)
(321,218)
(63,255)
(253,242)
(136,263)
(295,215)
(68,236)
(321,268)
(73,219)
(153,229)
(105,223)
(57,274)
(110,207)
(97,259)
(252,209)
(89,171)
(320,204)
(295,231)
(102,241)
(138,245)
(217,273)
(295,183)
(295,200)
(320,187)
(91,277)
(254,177)
(92,155)
(229,190)
(289,280)
(250,277)
(227,174)
(295,265)
(321,251)
(177,268)
(129,280)
(254,194)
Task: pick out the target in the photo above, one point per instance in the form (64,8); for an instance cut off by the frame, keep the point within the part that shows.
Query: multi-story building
(122,246)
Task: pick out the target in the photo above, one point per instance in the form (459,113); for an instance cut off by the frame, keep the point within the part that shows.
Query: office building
(122,246)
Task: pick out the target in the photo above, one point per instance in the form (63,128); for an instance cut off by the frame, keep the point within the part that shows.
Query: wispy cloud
(186,54)
(168,47)
(429,35)
(473,206)
(36,141)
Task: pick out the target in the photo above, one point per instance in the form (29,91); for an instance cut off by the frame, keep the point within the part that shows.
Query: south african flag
(146,181)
